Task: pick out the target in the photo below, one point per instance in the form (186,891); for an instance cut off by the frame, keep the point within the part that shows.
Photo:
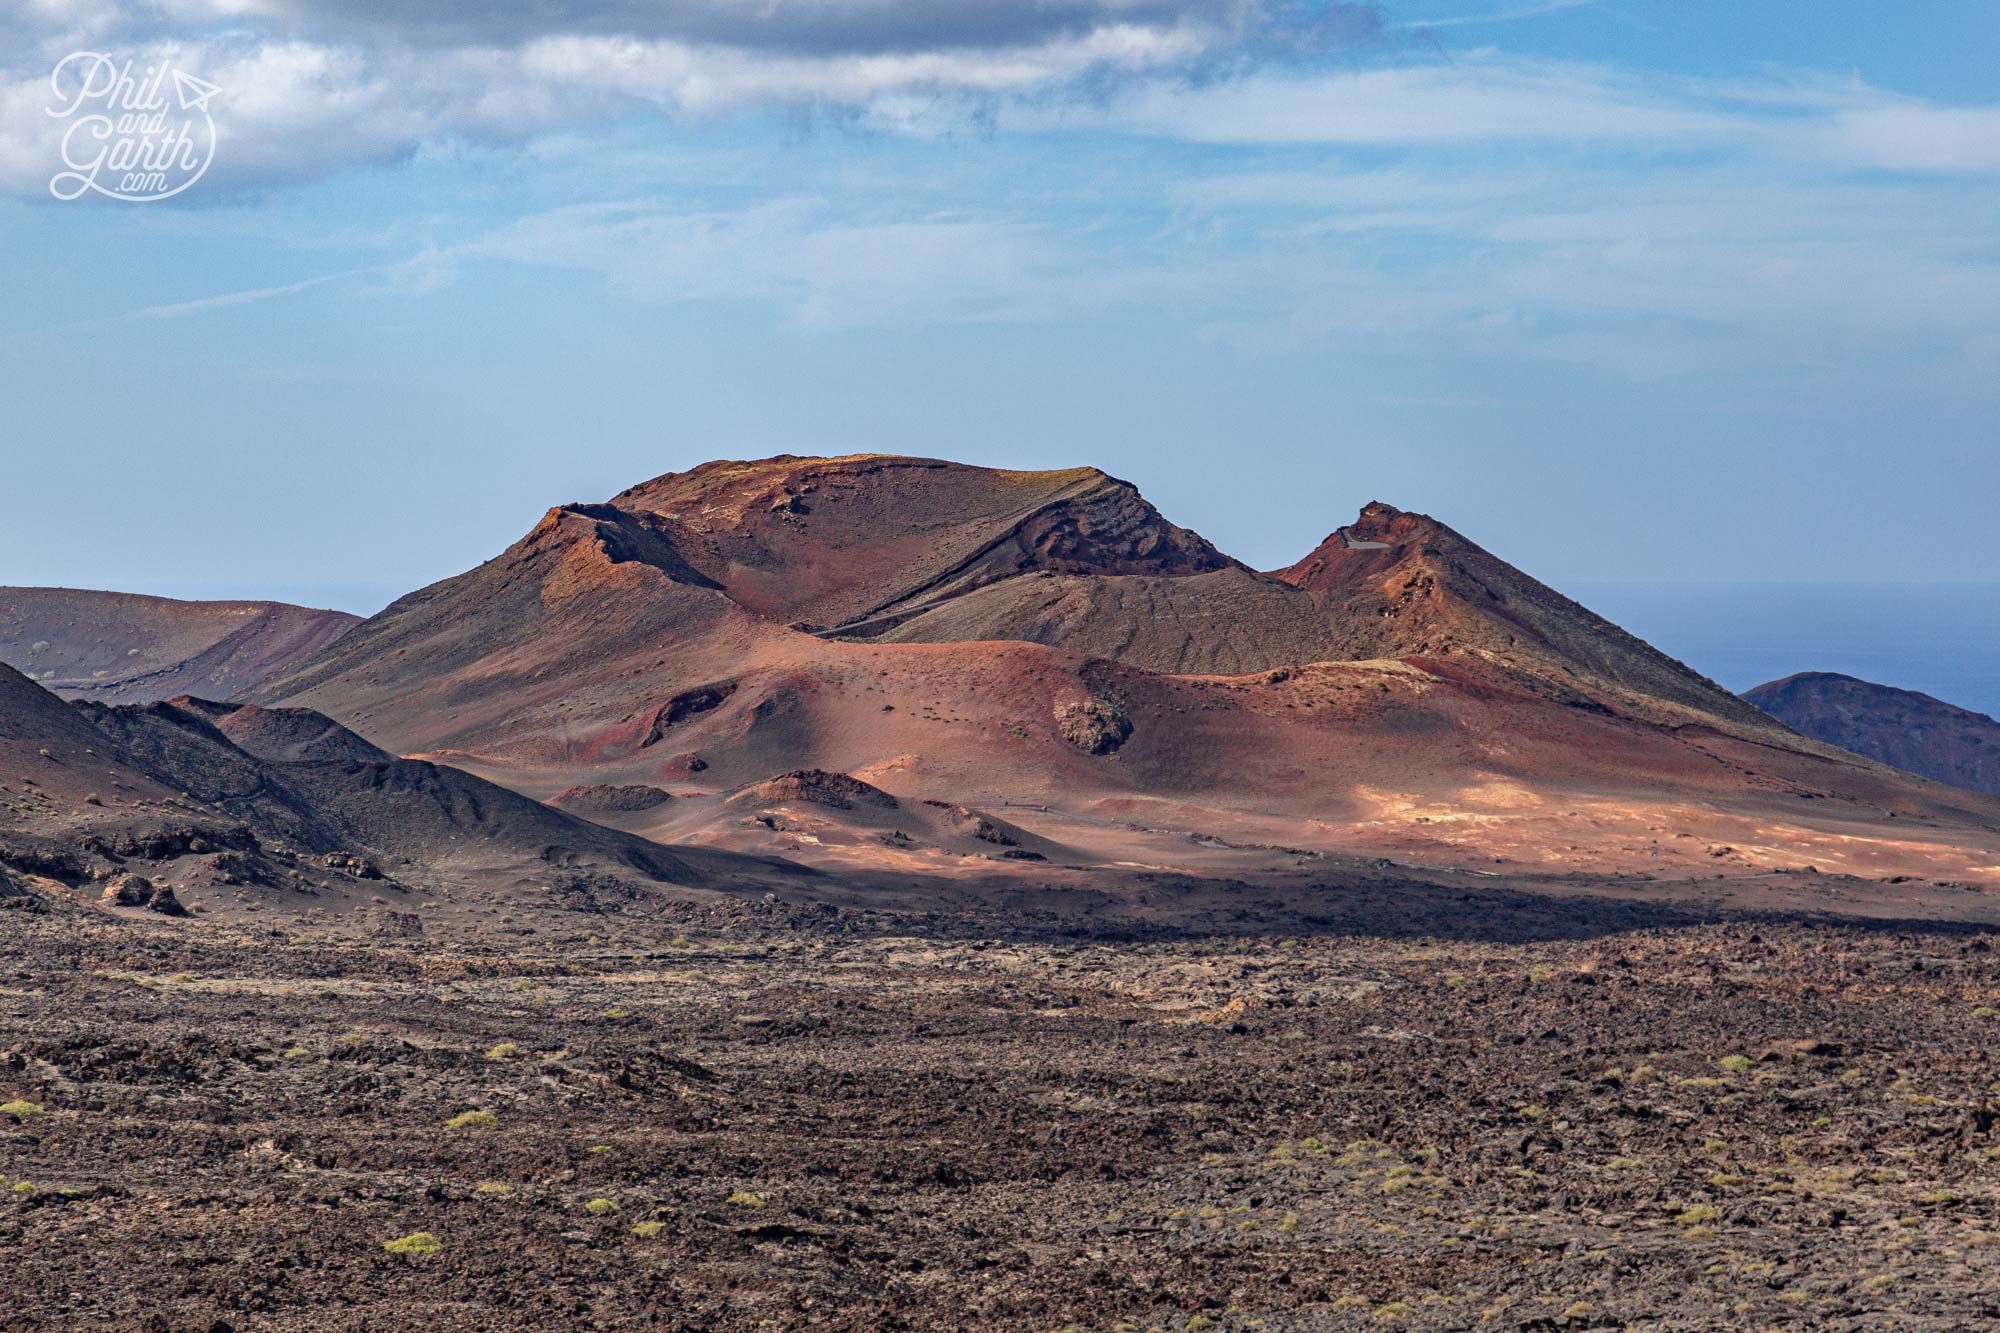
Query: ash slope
(286,806)
(1901,728)
(126,648)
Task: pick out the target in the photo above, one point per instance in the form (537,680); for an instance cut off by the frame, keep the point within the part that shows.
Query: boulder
(128,891)
(1094,726)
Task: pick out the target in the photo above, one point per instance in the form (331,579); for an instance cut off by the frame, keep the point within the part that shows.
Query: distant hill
(118,647)
(1902,728)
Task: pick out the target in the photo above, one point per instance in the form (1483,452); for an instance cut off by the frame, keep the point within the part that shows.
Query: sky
(1633,292)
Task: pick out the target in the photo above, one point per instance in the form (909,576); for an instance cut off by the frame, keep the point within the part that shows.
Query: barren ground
(1449,1111)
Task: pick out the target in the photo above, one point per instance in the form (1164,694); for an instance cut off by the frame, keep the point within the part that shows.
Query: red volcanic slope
(125,648)
(1902,728)
(1458,711)
(1407,585)
(866,540)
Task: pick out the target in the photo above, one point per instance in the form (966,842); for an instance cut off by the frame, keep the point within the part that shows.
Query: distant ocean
(1940,638)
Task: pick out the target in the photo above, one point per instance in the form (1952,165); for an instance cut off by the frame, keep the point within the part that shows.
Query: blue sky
(1630,291)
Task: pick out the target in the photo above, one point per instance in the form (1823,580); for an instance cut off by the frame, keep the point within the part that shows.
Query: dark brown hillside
(164,792)
(1901,728)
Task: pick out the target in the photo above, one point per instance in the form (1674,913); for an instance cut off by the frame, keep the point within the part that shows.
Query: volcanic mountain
(1047,641)
(124,648)
(1901,728)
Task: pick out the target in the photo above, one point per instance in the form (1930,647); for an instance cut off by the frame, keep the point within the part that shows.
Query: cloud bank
(312,87)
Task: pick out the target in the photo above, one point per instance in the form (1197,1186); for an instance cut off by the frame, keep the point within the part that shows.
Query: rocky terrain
(1437,1111)
(119,647)
(1902,728)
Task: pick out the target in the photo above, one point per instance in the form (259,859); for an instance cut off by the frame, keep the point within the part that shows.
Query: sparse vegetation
(22,1110)
(1310,1134)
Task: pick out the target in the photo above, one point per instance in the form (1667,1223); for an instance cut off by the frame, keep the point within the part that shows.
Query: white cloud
(821,271)
(310,90)
(295,109)
(1499,16)
(1909,136)
(684,77)
(1468,101)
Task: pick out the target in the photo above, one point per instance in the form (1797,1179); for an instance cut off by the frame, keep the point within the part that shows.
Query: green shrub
(417,1242)
(745,1199)
(648,1230)
(472,1120)
(492,1187)
(21,1110)
(1734,1064)
(506,1050)
(599,1207)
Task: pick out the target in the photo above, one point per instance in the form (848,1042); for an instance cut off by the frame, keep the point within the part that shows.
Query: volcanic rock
(1094,726)
(128,891)
(815,786)
(605,798)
